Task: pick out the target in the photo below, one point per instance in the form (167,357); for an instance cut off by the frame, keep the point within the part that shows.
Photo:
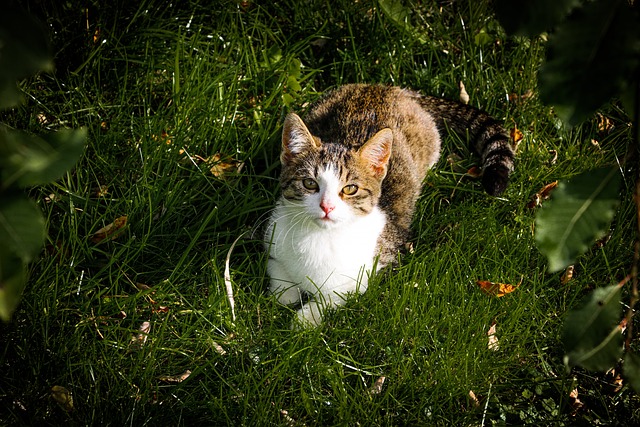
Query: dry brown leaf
(575,401)
(63,397)
(474,399)
(605,124)
(516,98)
(221,167)
(110,231)
(543,194)
(496,289)
(175,378)
(516,135)
(464,96)
(567,275)
(140,338)
(493,339)
(218,348)
(101,191)
(474,172)
(376,388)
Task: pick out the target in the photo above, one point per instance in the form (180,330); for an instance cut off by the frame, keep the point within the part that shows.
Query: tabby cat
(351,174)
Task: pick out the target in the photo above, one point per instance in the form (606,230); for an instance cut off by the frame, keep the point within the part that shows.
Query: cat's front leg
(311,314)
(281,284)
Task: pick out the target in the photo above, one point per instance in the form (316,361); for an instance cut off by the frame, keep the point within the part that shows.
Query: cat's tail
(487,137)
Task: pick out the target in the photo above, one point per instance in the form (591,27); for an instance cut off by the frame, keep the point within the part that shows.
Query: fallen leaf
(567,275)
(605,124)
(63,397)
(474,399)
(110,231)
(101,191)
(515,98)
(464,96)
(554,157)
(288,420)
(164,137)
(516,135)
(222,168)
(603,241)
(543,194)
(175,378)
(493,339)
(142,286)
(474,172)
(575,401)
(218,348)
(376,388)
(139,339)
(496,289)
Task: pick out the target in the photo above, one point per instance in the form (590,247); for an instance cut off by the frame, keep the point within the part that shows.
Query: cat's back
(353,113)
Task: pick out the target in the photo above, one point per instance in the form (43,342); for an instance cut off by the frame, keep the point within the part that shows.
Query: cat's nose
(326,207)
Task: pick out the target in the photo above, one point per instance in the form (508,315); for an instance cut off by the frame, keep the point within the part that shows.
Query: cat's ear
(296,138)
(377,151)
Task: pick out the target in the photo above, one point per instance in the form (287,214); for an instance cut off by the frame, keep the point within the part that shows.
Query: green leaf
(591,58)
(24,50)
(13,279)
(396,12)
(631,369)
(591,335)
(579,212)
(22,228)
(532,17)
(28,160)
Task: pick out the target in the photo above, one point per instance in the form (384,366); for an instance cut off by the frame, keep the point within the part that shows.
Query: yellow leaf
(110,231)
(63,397)
(496,289)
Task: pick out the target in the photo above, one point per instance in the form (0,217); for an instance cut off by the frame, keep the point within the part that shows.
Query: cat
(351,174)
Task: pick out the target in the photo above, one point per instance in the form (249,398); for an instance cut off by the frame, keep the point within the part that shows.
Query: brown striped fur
(345,119)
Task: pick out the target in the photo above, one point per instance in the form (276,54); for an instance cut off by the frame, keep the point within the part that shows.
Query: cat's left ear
(296,138)
(377,151)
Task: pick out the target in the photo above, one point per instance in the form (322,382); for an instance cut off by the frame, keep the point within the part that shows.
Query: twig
(227,278)
(486,405)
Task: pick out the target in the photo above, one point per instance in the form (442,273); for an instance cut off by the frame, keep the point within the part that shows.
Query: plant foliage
(593,55)
(25,160)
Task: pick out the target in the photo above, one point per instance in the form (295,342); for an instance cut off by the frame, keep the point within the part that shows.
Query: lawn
(183,103)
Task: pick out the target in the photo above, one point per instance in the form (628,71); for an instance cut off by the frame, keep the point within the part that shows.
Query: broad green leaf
(24,50)
(22,229)
(13,278)
(28,160)
(592,57)
(532,17)
(631,370)
(396,12)
(579,212)
(591,334)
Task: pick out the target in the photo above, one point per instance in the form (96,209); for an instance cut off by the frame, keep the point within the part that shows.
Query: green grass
(170,83)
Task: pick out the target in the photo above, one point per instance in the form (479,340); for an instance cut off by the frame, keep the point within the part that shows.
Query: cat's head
(332,182)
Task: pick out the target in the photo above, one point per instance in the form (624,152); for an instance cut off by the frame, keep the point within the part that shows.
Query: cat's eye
(350,189)
(310,184)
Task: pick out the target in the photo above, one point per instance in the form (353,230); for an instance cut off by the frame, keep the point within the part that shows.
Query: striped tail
(488,139)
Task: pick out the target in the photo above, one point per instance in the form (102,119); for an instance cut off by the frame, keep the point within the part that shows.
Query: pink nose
(327,207)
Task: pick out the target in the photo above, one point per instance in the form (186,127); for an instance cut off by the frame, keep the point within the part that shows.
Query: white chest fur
(321,259)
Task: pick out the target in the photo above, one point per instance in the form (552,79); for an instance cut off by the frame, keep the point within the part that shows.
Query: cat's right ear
(377,151)
(296,138)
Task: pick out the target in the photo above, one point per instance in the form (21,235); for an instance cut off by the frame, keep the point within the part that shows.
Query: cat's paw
(309,316)
(495,179)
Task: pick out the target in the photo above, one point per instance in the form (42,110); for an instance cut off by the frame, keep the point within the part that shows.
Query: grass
(162,87)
